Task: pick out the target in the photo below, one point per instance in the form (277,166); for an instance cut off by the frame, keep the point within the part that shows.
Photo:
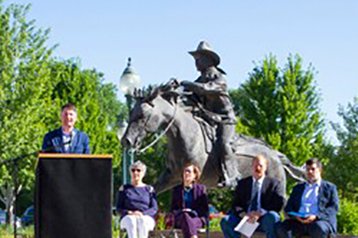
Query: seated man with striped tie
(259,197)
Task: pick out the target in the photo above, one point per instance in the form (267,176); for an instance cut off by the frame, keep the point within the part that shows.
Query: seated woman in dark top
(190,202)
(137,204)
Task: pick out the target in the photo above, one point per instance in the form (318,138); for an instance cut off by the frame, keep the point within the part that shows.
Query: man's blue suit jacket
(53,142)
(327,202)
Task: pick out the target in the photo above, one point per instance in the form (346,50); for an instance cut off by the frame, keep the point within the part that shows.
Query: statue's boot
(230,174)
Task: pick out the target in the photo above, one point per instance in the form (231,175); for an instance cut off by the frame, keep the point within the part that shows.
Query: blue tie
(255,194)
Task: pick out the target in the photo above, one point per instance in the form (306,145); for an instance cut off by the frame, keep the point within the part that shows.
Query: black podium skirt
(73,196)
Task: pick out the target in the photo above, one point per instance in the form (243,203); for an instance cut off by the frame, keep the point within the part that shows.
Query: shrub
(6,231)
(221,199)
(215,224)
(348,217)
(160,221)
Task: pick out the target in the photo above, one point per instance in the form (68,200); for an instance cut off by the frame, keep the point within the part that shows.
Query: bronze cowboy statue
(199,123)
(210,90)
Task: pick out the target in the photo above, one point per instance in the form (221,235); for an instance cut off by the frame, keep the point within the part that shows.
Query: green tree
(33,87)
(24,74)
(281,106)
(98,108)
(347,217)
(343,167)
(96,103)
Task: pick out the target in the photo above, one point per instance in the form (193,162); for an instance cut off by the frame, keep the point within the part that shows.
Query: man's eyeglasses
(135,170)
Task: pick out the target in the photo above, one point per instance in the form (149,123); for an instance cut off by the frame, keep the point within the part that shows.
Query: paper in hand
(245,227)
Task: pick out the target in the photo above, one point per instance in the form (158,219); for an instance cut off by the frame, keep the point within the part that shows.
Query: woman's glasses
(135,170)
(188,171)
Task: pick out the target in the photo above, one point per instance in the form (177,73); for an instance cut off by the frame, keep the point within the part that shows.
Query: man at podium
(66,139)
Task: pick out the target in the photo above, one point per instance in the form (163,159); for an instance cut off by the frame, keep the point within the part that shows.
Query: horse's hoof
(220,185)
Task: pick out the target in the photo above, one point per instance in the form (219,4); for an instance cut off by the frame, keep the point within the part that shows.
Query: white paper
(245,227)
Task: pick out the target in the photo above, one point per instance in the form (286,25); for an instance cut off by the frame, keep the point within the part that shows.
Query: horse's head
(148,115)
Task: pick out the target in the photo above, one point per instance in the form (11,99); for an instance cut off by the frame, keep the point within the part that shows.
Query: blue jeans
(289,227)
(267,224)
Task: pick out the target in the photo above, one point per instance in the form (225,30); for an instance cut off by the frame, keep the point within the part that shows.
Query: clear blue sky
(158,34)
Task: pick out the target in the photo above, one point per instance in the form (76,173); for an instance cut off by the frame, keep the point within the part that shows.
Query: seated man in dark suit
(312,206)
(66,139)
(259,197)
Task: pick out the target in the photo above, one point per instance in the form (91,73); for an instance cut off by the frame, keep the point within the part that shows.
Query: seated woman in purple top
(190,202)
(137,204)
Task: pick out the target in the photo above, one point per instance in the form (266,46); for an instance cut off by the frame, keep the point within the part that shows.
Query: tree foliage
(33,87)
(281,106)
(347,217)
(96,102)
(23,75)
(344,165)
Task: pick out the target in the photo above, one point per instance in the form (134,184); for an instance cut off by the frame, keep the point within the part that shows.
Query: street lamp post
(129,81)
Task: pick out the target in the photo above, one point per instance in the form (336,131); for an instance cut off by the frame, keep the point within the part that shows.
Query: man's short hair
(70,106)
(258,157)
(312,161)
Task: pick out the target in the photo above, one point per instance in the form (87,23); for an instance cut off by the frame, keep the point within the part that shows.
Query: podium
(73,196)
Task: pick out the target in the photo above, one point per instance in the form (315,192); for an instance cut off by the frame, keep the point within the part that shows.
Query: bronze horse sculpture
(188,141)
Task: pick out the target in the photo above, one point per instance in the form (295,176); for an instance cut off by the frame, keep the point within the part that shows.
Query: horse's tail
(295,172)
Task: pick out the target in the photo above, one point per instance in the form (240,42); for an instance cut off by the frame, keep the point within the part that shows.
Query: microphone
(72,147)
(68,144)
(71,138)
(54,148)
(57,147)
